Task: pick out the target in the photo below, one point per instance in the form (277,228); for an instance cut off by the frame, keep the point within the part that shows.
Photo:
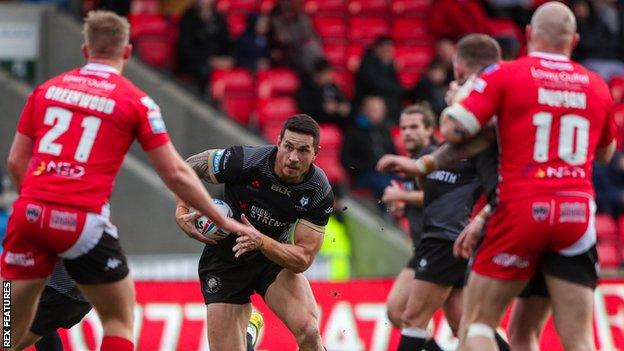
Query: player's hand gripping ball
(208,228)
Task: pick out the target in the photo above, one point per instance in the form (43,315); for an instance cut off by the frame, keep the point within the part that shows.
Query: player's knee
(308,332)
(394,315)
(523,339)
(414,317)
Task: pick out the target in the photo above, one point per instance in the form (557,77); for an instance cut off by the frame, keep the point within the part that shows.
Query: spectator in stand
(609,185)
(600,45)
(292,39)
(378,76)
(252,48)
(120,7)
(321,98)
(444,52)
(204,44)
(366,141)
(432,87)
(453,19)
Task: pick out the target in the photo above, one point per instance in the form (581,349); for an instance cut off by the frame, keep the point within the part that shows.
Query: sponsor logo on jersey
(329,210)
(540,211)
(213,284)
(90,82)
(304,201)
(572,212)
(280,189)
(422,264)
(265,217)
(61,169)
(112,263)
(255,184)
(154,117)
(243,206)
(479,85)
(510,260)
(444,176)
(63,220)
(26,259)
(560,78)
(560,172)
(33,212)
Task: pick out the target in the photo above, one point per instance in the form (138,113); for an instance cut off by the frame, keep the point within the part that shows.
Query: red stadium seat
(267,5)
(239,108)
(366,30)
(271,132)
(144,7)
(141,23)
(277,81)
(606,228)
(239,6)
(413,58)
(617,89)
(275,110)
(410,78)
(330,27)
(410,30)
(238,80)
(325,6)
(330,164)
(411,8)
(354,56)
(609,255)
(368,7)
(335,53)
(154,39)
(344,80)
(331,139)
(236,23)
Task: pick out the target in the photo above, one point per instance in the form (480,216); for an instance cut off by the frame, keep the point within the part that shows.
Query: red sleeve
(481,104)
(608,130)
(26,123)
(151,130)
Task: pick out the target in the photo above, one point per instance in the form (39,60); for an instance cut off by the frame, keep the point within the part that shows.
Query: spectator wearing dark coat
(321,98)
(609,185)
(204,43)
(365,142)
(252,47)
(378,76)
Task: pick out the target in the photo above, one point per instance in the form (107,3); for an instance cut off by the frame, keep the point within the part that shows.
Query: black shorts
(234,282)
(580,269)
(104,263)
(55,310)
(435,263)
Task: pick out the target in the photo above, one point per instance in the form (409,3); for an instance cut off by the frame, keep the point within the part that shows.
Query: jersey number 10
(60,118)
(573,138)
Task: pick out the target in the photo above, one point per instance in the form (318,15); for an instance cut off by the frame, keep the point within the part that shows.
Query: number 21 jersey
(82,123)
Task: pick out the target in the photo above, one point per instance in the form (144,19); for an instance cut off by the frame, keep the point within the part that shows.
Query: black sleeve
(227,164)
(486,164)
(319,214)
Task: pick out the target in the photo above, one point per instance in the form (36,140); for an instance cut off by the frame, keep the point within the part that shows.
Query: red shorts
(38,232)
(520,232)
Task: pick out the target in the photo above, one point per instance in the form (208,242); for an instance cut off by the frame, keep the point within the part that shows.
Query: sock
(502,344)
(250,345)
(116,343)
(432,345)
(409,343)
(51,342)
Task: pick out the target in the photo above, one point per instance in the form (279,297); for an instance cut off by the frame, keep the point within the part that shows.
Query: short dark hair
(478,51)
(303,124)
(428,117)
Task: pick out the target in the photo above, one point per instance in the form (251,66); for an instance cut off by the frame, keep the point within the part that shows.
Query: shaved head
(553,26)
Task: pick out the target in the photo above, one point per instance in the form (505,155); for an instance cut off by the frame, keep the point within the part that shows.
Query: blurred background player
(417,125)
(270,188)
(555,219)
(70,142)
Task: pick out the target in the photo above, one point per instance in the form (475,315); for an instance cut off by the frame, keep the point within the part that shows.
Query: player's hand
(393,192)
(248,240)
(465,244)
(449,97)
(186,222)
(398,165)
(232,226)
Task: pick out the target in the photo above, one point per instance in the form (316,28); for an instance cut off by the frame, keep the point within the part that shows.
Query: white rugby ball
(208,228)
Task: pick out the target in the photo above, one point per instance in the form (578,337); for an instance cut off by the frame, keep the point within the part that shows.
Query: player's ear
(575,40)
(527,32)
(85,51)
(127,51)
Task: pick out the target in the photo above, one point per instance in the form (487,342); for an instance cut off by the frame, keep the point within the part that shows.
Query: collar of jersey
(99,67)
(549,56)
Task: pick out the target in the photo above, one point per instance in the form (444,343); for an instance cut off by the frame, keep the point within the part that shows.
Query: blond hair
(106,34)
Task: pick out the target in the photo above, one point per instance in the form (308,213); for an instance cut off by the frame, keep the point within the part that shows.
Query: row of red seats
(365,30)
(610,234)
(353,7)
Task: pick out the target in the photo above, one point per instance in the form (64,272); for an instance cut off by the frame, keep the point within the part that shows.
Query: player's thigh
(29,339)
(424,299)
(453,307)
(112,301)
(290,297)
(572,306)
(24,297)
(527,321)
(399,293)
(227,324)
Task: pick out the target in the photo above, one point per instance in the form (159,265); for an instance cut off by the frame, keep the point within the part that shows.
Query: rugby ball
(208,228)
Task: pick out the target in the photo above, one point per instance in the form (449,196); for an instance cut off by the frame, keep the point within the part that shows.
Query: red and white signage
(171,316)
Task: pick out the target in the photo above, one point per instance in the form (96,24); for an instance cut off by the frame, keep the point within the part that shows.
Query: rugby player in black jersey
(449,197)
(417,124)
(288,200)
